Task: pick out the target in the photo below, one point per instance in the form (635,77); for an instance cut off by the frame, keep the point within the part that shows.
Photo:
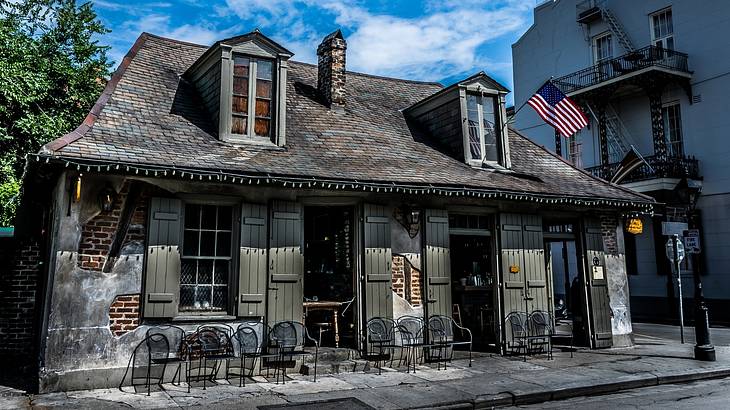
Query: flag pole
(525,103)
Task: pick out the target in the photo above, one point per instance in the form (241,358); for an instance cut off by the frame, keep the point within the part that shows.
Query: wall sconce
(106,198)
(409,218)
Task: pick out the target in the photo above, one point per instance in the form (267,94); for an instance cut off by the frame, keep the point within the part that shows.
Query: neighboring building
(229,183)
(654,75)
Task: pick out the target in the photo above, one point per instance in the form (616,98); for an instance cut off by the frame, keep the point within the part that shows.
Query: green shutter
(252,260)
(286,263)
(535,263)
(378,259)
(600,308)
(162,268)
(437,263)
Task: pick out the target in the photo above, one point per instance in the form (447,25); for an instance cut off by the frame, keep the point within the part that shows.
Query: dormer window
(482,128)
(252,81)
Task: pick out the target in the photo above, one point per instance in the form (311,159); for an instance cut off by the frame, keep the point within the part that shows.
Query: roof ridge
(582,171)
(174,40)
(382,77)
(106,94)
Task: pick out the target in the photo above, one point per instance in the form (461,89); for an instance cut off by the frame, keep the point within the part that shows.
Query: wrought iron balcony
(588,10)
(650,58)
(666,167)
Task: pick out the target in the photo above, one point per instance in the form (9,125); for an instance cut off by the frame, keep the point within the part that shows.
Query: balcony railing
(650,56)
(667,167)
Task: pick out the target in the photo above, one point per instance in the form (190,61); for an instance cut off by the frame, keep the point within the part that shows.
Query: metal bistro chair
(288,338)
(176,338)
(152,350)
(441,331)
(412,332)
(381,335)
(516,332)
(209,345)
(540,333)
(249,347)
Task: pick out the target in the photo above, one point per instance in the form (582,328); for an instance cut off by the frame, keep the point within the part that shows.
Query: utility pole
(704,350)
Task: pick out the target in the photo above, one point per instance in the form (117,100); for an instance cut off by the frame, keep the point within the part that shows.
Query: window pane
(263,108)
(202,297)
(192,216)
(190,243)
(207,243)
(188,268)
(220,297)
(263,88)
(262,127)
(240,85)
(264,69)
(205,271)
(223,245)
(220,276)
(240,66)
(472,114)
(238,125)
(490,134)
(240,105)
(224,218)
(208,216)
(187,297)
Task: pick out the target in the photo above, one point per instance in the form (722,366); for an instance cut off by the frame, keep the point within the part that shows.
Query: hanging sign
(634,226)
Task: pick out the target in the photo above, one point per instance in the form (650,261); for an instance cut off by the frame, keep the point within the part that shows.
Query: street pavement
(654,364)
(720,336)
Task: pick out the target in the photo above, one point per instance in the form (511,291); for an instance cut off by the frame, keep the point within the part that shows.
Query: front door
(599,308)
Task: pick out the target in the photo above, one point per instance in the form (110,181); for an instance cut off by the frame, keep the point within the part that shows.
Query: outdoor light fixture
(410,218)
(688,191)
(106,198)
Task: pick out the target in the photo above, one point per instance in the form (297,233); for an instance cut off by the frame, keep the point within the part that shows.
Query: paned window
(662,29)
(602,48)
(253,92)
(206,258)
(673,129)
(482,128)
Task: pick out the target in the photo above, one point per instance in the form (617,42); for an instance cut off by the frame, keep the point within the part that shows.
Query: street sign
(670,250)
(692,241)
(674,228)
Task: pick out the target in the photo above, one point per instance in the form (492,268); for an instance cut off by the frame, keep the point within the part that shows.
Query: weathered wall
(618,281)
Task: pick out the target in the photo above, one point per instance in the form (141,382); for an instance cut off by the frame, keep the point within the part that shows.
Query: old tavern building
(652,75)
(229,182)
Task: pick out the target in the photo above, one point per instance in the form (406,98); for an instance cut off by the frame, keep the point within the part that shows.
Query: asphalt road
(720,336)
(705,395)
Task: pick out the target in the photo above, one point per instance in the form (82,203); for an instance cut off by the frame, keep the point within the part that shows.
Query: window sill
(203,318)
(243,140)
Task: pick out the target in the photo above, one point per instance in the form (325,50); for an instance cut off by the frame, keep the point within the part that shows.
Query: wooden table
(332,306)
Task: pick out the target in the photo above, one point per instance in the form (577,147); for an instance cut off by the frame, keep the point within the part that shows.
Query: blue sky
(423,40)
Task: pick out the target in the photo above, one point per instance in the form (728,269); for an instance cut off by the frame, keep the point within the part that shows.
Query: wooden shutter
(252,260)
(533,249)
(162,269)
(598,303)
(437,263)
(286,263)
(511,266)
(378,259)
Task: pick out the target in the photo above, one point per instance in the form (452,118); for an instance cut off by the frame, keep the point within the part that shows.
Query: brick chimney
(331,69)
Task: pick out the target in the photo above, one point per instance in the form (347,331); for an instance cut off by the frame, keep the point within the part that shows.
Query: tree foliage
(52,70)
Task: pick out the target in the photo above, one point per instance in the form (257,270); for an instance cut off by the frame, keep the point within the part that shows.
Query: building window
(483,129)
(206,258)
(252,82)
(662,29)
(673,129)
(602,48)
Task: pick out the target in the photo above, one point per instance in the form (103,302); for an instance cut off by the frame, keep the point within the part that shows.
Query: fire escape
(650,70)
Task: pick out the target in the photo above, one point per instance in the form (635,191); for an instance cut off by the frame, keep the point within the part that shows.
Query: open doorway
(329,282)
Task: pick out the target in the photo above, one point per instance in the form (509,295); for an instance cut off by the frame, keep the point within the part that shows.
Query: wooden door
(595,278)
(286,263)
(437,263)
(534,263)
(252,271)
(162,264)
(377,261)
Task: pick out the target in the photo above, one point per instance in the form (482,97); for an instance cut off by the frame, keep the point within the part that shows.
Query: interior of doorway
(329,280)
(473,292)
(567,301)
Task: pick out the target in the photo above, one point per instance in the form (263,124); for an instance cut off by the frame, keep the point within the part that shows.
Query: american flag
(558,110)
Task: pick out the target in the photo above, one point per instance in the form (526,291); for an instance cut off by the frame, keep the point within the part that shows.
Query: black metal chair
(413,339)
(540,333)
(249,347)
(153,350)
(210,345)
(176,338)
(441,332)
(381,335)
(288,339)
(516,333)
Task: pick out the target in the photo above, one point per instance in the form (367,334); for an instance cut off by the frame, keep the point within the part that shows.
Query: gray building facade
(652,75)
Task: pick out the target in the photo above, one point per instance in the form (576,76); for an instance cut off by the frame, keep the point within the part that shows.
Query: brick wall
(98,233)
(609,223)
(406,280)
(19,274)
(124,314)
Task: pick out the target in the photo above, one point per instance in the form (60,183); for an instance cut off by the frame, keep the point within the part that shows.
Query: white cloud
(159,24)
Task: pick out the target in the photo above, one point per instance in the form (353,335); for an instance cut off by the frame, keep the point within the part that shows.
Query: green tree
(52,70)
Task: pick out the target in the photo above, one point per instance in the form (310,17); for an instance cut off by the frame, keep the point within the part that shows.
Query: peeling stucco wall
(618,282)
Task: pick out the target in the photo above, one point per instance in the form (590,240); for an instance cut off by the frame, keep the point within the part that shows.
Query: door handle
(273,288)
(431,301)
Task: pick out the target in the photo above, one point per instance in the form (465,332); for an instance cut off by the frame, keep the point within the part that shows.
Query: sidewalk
(492,381)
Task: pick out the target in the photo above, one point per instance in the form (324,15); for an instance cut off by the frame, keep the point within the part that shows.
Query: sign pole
(677,268)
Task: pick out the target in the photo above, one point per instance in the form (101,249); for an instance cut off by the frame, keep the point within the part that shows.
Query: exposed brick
(124,314)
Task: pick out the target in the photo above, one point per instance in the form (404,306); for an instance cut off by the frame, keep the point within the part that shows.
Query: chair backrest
(516,325)
(540,323)
(211,341)
(218,328)
(262,331)
(175,336)
(381,330)
(441,328)
(411,328)
(248,340)
(287,334)
(152,347)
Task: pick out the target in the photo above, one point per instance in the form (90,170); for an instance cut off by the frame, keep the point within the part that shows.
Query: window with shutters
(206,258)
(253,94)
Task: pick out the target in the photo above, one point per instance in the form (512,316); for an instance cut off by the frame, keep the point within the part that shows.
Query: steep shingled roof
(149,115)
